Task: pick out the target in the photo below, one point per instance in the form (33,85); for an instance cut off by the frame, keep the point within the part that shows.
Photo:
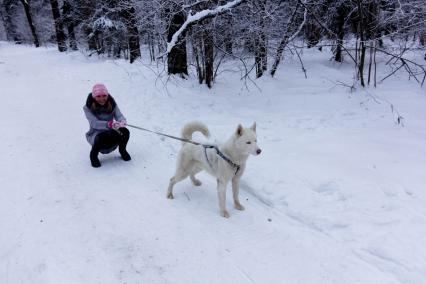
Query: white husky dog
(225,162)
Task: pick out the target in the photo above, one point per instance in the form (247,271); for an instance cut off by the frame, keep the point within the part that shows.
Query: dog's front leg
(221,191)
(235,192)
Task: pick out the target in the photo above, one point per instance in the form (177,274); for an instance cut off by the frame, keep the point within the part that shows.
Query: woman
(107,123)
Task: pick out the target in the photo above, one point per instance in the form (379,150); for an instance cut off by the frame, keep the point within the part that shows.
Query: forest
(199,35)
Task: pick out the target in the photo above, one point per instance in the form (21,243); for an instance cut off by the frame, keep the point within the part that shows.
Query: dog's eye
(248,142)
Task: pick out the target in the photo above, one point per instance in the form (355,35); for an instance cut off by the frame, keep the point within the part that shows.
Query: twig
(393,72)
(301,63)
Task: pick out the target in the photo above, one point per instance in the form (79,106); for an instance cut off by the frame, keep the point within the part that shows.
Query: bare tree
(70,23)
(130,21)
(176,46)
(177,57)
(199,16)
(26,4)
(288,37)
(208,54)
(10,7)
(260,44)
(59,29)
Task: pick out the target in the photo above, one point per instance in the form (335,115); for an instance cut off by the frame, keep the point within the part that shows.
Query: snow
(337,195)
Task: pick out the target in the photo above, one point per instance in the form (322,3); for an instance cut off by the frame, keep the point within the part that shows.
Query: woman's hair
(95,106)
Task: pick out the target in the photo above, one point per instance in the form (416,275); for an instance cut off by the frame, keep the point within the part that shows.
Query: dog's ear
(240,130)
(253,127)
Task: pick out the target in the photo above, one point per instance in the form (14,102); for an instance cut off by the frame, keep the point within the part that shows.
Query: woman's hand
(116,124)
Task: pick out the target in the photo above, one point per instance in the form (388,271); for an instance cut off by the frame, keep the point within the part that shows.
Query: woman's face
(102,99)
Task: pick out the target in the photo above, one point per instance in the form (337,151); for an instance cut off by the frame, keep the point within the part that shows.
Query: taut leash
(206,146)
(165,135)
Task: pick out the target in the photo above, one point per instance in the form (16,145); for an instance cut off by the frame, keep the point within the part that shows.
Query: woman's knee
(125,131)
(106,139)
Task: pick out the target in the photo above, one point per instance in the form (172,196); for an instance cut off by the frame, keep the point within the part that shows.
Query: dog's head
(246,140)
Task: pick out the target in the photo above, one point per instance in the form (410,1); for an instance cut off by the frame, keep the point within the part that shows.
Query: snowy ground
(338,194)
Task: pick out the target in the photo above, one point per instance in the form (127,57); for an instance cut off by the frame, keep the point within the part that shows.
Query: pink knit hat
(99,90)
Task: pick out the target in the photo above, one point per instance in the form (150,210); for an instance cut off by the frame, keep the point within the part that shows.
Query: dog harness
(229,161)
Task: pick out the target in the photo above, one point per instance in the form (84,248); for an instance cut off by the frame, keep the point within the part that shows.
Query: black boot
(94,159)
(124,154)
(124,138)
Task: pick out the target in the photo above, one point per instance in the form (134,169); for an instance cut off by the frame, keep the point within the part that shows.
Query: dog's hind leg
(235,192)
(179,175)
(194,180)
(183,167)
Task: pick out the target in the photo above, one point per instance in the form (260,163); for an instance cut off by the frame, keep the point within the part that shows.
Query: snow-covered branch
(300,27)
(198,17)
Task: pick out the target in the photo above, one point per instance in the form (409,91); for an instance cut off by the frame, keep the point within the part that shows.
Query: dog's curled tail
(192,127)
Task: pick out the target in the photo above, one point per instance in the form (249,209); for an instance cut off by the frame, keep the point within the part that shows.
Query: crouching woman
(107,125)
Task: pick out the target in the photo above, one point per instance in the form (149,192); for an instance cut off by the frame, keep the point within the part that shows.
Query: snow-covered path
(337,196)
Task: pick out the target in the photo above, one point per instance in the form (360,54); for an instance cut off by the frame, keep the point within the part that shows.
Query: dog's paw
(224,214)
(238,206)
(170,195)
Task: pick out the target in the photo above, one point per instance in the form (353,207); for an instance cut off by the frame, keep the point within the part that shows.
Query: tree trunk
(151,46)
(340,34)
(26,4)
(129,15)
(372,25)
(8,19)
(59,28)
(279,55)
(375,63)
(260,54)
(85,16)
(261,57)
(69,22)
(177,58)
(362,62)
(228,40)
(199,66)
(258,59)
(263,51)
(313,34)
(208,54)
(370,64)
(71,37)
(2,20)
(422,38)
(197,53)
(283,43)
(361,28)
(91,39)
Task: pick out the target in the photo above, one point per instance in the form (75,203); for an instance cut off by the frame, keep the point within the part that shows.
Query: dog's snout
(258,151)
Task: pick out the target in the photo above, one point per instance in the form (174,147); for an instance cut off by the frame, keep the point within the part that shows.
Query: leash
(165,135)
(206,146)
